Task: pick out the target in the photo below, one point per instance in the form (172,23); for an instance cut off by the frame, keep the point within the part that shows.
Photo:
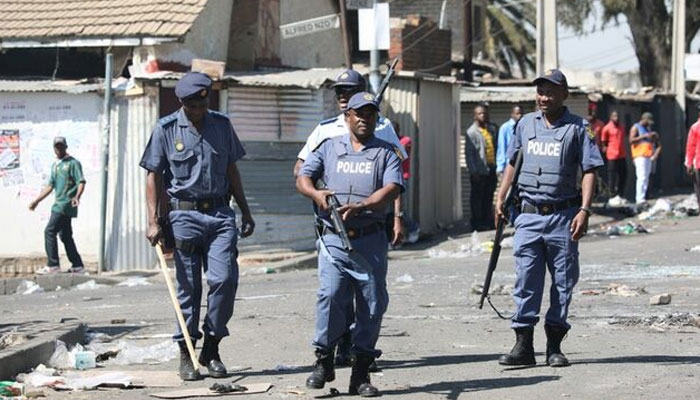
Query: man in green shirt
(68,181)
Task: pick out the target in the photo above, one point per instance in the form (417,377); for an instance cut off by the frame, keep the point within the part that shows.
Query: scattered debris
(660,299)
(626,229)
(334,392)
(124,352)
(429,305)
(497,290)
(695,249)
(473,248)
(261,271)
(28,287)
(405,278)
(295,390)
(40,377)
(135,281)
(12,338)
(227,388)
(668,320)
(507,243)
(617,201)
(389,333)
(89,285)
(687,207)
(11,388)
(617,289)
(117,321)
(205,392)
(267,296)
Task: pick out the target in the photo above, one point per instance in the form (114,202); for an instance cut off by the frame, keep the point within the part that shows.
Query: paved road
(437,344)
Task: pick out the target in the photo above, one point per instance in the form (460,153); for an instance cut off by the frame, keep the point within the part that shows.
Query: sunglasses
(345,91)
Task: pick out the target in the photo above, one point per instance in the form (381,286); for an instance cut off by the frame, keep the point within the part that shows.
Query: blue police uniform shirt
(336,127)
(193,163)
(553,156)
(354,175)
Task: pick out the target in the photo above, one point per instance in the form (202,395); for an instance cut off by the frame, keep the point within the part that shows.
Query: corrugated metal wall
(401,104)
(274,113)
(133,119)
(439,155)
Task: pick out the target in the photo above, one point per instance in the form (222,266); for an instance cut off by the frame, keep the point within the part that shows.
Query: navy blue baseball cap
(554,76)
(359,100)
(350,77)
(194,85)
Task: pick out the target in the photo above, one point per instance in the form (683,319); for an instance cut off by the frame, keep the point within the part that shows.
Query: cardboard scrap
(253,388)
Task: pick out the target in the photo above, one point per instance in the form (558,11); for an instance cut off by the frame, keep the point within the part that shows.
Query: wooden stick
(176,305)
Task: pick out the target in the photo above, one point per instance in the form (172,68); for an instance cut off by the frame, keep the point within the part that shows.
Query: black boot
(187,370)
(343,356)
(555,334)
(359,380)
(523,353)
(210,358)
(324,371)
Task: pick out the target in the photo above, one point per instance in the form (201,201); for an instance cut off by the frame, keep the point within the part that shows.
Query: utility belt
(356,233)
(550,208)
(203,205)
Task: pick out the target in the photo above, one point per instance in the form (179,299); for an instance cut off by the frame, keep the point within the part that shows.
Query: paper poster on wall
(9,149)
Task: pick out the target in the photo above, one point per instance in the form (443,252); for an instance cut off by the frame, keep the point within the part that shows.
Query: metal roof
(75,87)
(81,19)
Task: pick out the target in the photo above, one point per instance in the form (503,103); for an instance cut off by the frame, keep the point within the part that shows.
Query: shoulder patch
(589,132)
(328,121)
(398,152)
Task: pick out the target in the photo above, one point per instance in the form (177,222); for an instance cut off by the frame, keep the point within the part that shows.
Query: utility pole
(468,69)
(547,40)
(344,31)
(375,78)
(678,71)
(106,111)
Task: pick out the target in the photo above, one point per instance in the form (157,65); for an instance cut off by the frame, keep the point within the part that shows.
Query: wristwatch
(586,210)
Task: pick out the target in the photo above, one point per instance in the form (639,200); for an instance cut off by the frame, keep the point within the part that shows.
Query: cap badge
(344,75)
(549,72)
(368,97)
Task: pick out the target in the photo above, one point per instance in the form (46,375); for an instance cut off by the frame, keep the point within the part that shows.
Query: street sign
(310,26)
(373,26)
(692,67)
(357,4)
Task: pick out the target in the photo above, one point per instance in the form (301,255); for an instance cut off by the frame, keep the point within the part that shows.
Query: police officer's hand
(154,233)
(247,226)
(399,232)
(321,198)
(579,226)
(499,212)
(348,211)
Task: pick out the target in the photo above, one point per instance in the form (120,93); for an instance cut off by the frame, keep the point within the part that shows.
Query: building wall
(208,38)
(320,49)
(39,117)
(255,34)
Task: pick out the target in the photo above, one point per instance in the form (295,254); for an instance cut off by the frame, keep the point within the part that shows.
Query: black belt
(199,205)
(356,233)
(547,209)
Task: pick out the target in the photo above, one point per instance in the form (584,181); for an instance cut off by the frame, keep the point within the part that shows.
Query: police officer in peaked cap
(347,84)
(193,154)
(364,173)
(555,146)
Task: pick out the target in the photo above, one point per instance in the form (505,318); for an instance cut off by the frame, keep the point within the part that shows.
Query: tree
(509,38)
(650,22)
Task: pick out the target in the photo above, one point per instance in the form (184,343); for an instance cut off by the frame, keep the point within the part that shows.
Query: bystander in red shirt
(613,139)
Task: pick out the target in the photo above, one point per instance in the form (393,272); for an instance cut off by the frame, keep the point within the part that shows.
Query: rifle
(493,260)
(385,82)
(336,219)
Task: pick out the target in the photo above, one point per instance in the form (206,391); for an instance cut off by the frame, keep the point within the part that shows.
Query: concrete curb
(38,350)
(51,282)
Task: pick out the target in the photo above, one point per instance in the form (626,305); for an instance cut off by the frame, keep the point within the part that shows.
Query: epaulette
(328,121)
(319,145)
(167,119)
(218,114)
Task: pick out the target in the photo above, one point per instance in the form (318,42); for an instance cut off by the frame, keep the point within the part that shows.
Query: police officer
(555,144)
(347,84)
(364,173)
(193,152)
